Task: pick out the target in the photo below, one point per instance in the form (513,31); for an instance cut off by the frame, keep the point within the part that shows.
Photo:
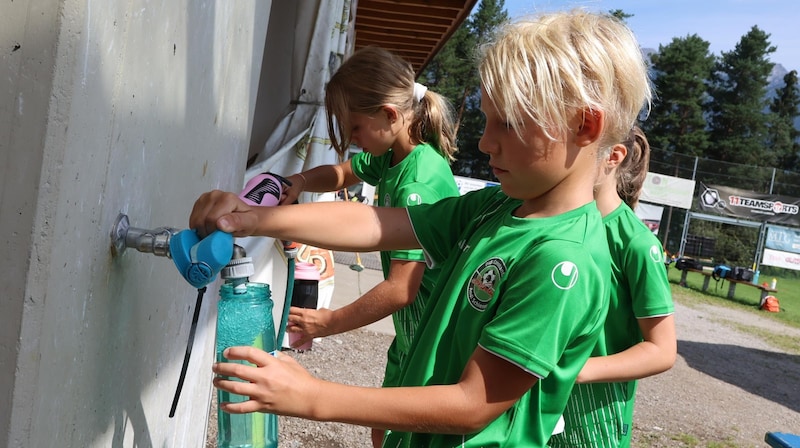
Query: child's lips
(497,171)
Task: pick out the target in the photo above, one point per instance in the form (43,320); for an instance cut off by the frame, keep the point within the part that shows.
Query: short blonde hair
(551,66)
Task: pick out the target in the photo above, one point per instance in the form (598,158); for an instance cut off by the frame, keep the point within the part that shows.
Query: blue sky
(719,22)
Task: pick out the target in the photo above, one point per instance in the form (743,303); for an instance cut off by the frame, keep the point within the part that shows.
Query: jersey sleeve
(553,304)
(438,227)
(647,279)
(366,167)
(411,194)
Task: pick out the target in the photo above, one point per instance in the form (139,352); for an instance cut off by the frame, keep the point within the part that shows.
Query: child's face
(372,133)
(526,168)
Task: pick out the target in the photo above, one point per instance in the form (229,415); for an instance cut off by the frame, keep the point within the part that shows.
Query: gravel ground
(727,389)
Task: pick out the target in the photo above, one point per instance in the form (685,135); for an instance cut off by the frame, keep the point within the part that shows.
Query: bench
(782,440)
(765,290)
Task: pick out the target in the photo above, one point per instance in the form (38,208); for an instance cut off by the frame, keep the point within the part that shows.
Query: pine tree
(738,101)
(783,134)
(676,122)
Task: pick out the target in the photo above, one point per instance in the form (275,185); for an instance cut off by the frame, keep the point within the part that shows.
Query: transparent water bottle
(244,317)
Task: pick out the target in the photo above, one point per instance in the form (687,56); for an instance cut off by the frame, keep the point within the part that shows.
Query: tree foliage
(783,135)
(453,72)
(738,100)
(676,122)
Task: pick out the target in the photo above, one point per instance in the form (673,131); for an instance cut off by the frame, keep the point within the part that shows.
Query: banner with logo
(781,259)
(783,239)
(749,205)
(668,190)
(650,215)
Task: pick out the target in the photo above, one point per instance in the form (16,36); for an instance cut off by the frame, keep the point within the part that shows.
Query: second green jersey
(422,177)
(601,414)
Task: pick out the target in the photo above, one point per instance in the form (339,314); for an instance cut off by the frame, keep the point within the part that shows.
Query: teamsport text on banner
(749,205)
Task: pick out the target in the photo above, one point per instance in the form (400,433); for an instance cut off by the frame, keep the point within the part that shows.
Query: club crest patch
(564,275)
(483,281)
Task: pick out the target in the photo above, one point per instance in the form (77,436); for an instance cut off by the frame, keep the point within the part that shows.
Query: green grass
(745,296)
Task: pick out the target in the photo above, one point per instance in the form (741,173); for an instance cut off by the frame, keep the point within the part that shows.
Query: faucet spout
(154,241)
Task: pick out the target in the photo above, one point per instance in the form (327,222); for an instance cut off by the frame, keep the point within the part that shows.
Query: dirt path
(727,389)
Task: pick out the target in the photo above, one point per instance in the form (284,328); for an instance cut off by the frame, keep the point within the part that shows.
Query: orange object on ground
(771,304)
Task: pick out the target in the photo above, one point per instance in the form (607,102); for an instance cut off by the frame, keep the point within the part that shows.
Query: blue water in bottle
(244,317)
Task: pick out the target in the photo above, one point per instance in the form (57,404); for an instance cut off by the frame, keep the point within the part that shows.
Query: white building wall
(109,107)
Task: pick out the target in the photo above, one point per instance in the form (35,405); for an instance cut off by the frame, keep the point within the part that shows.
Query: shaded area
(771,375)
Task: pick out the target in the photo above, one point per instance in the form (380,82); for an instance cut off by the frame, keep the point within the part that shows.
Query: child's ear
(616,155)
(590,127)
(391,113)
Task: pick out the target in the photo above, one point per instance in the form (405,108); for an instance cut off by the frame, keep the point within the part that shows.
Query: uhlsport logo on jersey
(387,200)
(564,275)
(656,254)
(482,284)
(413,199)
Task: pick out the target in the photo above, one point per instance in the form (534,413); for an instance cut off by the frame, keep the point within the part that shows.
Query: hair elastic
(419,91)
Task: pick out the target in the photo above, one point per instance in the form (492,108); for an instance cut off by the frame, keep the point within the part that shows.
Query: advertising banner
(783,239)
(668,190)
(650,215)
(781,259)
(749,205)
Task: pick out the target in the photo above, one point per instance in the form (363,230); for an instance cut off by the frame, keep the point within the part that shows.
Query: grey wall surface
(131,107)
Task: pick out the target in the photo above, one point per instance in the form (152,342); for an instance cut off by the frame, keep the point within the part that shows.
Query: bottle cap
(306,271)
(238,268)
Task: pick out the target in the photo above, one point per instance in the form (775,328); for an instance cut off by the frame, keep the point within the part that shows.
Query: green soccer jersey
(531,291)
(601,414)
(422,177)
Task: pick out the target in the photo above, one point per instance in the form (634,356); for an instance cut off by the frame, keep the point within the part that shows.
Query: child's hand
(220,210)
(277,384)
(291,193)
(310,323)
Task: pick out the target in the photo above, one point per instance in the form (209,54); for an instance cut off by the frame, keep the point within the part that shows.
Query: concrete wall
(114,107)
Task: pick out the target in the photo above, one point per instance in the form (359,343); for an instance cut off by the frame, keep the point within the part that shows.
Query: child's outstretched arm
(320,179)
(397,291)
(332,225)
(488,386)
(655,354)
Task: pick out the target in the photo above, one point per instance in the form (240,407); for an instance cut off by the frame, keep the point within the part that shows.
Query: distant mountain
(776,79)
(776,82)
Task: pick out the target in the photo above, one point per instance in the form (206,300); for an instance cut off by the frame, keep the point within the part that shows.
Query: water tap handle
(200,260)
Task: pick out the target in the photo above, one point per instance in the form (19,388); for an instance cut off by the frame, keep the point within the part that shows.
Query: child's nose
(486,145)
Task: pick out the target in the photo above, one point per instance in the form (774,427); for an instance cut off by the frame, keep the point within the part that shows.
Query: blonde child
(523,292)
(639,336)
(407,139)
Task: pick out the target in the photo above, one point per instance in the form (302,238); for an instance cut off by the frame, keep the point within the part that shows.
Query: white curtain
(300,141)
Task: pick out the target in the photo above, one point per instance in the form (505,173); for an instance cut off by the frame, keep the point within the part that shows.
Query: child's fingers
(244,407)
(250,354)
